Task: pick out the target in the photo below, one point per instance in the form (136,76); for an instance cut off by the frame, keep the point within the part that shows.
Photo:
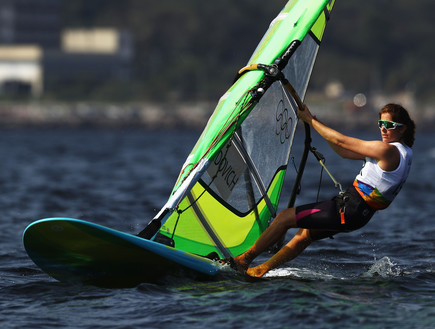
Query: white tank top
(379,187)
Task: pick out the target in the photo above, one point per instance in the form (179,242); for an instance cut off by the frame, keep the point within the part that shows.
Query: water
(381,276)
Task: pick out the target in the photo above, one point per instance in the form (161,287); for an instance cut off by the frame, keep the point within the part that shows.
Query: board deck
(72,250)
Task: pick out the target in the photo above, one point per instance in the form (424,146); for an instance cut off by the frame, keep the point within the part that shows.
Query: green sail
(229,187)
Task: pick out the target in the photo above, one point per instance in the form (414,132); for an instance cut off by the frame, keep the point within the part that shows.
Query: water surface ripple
(382,276)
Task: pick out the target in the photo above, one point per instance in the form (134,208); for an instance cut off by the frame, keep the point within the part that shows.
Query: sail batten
(254,172)
(219,245)
(230,185)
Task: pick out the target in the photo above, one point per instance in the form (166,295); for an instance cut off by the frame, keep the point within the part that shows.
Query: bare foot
(257,271)
(241,264)
(234,264)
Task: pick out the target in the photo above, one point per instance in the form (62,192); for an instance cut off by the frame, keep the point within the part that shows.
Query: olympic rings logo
(284,122)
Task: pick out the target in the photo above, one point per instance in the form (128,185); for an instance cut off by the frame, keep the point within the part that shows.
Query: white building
(21,68)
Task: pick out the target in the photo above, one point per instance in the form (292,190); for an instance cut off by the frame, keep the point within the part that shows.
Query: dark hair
(400,115)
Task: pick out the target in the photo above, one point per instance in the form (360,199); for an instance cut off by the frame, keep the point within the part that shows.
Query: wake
(383,268)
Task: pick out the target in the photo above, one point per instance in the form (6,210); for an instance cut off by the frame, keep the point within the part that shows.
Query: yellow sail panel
(206,224)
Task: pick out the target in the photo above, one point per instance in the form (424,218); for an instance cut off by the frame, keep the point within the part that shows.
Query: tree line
(189,50)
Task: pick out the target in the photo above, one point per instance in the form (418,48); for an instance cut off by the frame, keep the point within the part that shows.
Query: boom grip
(294,94)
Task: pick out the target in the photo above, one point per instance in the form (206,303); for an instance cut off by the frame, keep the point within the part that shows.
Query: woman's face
(391,135)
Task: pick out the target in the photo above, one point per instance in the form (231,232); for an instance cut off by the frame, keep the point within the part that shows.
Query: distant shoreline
(153,115)
(104,114)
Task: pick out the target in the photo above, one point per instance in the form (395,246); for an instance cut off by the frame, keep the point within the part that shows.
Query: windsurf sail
(230,185)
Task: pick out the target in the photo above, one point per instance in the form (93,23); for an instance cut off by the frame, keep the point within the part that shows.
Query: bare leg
(290,251)
(286,219)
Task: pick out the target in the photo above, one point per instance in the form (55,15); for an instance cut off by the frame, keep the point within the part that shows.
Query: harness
(343,196)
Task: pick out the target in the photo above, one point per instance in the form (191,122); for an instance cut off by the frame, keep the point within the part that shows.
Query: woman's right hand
(305,115)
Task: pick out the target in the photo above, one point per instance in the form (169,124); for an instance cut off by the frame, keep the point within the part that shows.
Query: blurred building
(27,28)
(38,54)
(95,55)
(21,70)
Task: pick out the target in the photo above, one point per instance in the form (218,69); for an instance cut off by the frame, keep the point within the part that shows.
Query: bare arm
(353,148)
(346,153)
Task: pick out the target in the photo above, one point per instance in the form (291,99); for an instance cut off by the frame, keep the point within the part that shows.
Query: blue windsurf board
(73,250)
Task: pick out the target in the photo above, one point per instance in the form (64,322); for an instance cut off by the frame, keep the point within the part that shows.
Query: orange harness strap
(342,217)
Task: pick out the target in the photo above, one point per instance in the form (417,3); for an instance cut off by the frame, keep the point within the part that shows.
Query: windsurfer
(386,167)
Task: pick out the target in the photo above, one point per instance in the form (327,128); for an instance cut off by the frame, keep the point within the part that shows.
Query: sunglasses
(389,124)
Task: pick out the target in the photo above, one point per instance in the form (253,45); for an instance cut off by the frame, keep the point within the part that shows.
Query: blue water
(381,276)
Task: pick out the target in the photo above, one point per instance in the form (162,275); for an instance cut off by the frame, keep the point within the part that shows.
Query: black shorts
(324,218)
